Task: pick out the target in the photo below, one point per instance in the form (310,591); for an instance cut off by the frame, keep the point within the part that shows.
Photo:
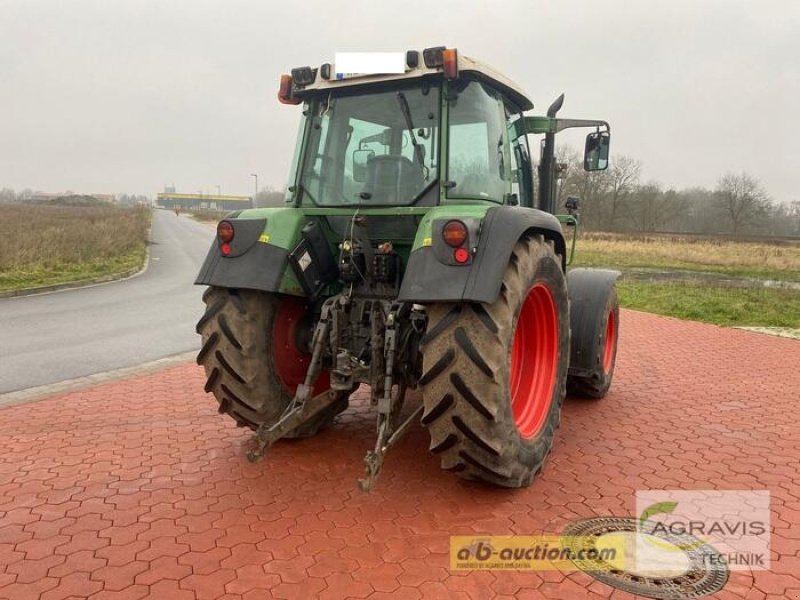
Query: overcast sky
(127,96)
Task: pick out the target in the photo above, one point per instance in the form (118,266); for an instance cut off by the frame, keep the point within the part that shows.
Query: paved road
(74,333)
(140,486)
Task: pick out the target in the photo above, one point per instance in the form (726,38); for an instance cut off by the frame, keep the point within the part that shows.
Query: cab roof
(466,65)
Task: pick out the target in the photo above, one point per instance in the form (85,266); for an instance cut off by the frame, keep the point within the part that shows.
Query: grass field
(46,245)
(780,261)
(704,300)
(763,307)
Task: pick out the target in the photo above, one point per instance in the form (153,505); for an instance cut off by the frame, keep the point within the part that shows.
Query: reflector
(461,255)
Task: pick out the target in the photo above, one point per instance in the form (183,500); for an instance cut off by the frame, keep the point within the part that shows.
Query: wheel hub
(291,362)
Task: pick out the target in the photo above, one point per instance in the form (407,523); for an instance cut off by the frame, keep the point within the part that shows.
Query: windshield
(377,149)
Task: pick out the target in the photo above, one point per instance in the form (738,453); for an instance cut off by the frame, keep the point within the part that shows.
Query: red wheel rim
(611,342)
(534,361)
(290,362)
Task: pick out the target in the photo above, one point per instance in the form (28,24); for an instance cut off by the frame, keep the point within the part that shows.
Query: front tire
(251,359)
(494,375)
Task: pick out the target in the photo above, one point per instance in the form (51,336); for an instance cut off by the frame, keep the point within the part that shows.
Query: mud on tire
(467,353)
(237,354)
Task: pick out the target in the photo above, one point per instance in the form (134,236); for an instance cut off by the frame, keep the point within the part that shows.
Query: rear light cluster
(455,235)
(225,235)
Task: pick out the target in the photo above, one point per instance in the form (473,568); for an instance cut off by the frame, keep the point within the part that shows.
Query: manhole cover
(671,567)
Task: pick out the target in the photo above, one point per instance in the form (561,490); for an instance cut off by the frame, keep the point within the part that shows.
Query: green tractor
(413,252)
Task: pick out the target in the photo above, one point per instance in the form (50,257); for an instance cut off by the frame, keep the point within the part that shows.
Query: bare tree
(793,214)
(570,166)
(742,199)
(7,195)
(623,178)
(269,197)
(654,208)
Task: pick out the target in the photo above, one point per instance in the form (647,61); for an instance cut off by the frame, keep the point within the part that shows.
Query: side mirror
(360,160)
(573,205)
(384,138)
(595,156)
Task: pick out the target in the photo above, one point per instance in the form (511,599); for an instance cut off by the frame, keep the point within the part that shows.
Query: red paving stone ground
(138,488)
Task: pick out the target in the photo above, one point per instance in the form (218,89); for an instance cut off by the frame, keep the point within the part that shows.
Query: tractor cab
(448,129)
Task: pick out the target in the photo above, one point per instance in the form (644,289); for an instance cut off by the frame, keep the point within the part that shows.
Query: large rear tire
(251,359)
(494,375)
(597,383)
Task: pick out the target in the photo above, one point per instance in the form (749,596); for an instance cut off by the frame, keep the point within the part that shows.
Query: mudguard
(258,255)
(428,279)
(589,290)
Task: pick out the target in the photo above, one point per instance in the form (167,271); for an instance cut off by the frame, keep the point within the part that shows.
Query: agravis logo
(733,526)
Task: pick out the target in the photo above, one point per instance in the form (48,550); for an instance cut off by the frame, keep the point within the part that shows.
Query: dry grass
(208,216)
(45,245)
(776,260)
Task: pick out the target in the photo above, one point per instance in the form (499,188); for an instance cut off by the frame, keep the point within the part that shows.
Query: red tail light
(225,232)
(454,233)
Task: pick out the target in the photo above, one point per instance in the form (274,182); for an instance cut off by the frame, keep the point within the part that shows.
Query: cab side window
(521,174)
(478,145)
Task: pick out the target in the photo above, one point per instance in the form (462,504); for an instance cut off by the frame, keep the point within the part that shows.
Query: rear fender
(431,278)
(589,290)
(262,241)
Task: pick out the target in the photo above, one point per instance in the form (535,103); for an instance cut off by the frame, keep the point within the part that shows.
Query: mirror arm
(562,124)
(536,125)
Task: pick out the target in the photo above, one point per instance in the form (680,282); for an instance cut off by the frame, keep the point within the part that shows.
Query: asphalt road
(68,334)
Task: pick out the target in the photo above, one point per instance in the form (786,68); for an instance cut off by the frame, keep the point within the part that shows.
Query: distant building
(174,200)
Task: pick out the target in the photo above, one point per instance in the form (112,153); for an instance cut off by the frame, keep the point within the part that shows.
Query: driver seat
(393,179)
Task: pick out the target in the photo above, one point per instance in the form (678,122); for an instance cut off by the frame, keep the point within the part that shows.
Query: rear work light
(454,233)
(225,232)
(285,91)
(304,75)
(433,57)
